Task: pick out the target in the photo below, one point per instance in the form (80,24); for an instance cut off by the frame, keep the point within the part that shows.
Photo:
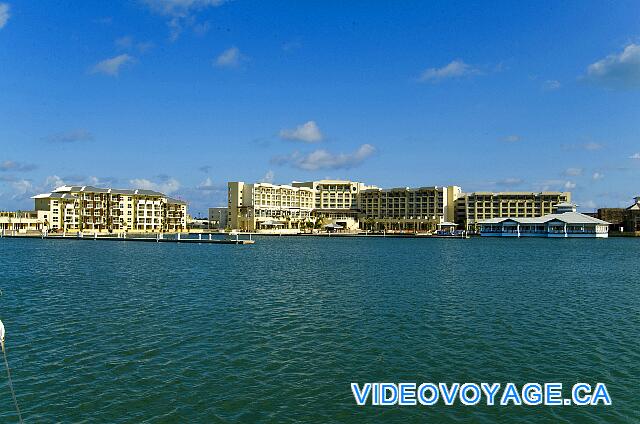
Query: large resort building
(336,201)
(96,210)
(478,206)
(408,209)
(352,206)
(267,206)
(345,205)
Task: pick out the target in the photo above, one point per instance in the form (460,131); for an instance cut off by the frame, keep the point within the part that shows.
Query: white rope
(6,363)
(13,393)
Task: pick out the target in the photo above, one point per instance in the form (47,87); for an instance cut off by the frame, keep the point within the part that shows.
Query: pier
(156,238)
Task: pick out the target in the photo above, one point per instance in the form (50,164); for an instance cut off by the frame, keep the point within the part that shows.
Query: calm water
(275,332)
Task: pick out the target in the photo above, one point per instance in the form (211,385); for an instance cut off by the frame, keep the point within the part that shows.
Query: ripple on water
(275,332)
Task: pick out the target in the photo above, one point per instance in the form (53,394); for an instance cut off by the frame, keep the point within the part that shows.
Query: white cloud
(53,181)
(551,85)
(309,132)
(127,42)
(620,70)
(573,172)
(180,8)
(70,137)
(268,177)
(635,156)
(597,176)
(167,185)
(509,182)
(455,69)
(230,58)
(22,189)
(209,185)
(569,185)
(512,138)
(111,66)
(322,159)
(4,14)
(592,146)
(9,165)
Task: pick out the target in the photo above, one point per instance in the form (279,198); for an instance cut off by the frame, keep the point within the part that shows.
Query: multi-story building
(20,222)
(336,201)
(478,206)
(404,208)
(267,206)
(219,218)
(623,219)
(565,222)
(92,209)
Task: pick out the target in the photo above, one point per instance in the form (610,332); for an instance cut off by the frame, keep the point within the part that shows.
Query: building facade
(478,206)
(565,223)
(93,209)
(21,222)
(337,202)
(626,220)
(407,209)
(262,206)
(218,218)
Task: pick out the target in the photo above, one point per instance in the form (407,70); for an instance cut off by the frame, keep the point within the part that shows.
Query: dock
(159,238)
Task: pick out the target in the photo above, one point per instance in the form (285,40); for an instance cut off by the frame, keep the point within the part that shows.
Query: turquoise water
(274,332)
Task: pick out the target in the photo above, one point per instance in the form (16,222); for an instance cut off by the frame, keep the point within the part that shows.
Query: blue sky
(184,95)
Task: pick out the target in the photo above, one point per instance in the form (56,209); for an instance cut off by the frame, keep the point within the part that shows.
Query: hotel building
(565,223)
(267,206)
(336,201)
(92,209)
(475,207)
(412,209)
(626,220)
(20,222)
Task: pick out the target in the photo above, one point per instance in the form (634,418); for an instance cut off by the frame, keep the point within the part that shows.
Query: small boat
(451,234)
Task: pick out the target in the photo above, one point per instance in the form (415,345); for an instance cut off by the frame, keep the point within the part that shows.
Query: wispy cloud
(181,13)
(112,65)
(635,156)
(74,136)
(309,132)
(509,182)
(455,69)
(550,85)
(290,46)
(597,176)
(209,185)
(163,184)
(4,14)
(573,172)
(230,58)
(323,159)
(269,176)
(590,146)
(513,138)
(127,42)
(12,166)
(554,185)
(180,7)
(618,70)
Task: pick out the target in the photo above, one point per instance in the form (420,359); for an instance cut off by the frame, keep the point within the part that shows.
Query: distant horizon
(182,96)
